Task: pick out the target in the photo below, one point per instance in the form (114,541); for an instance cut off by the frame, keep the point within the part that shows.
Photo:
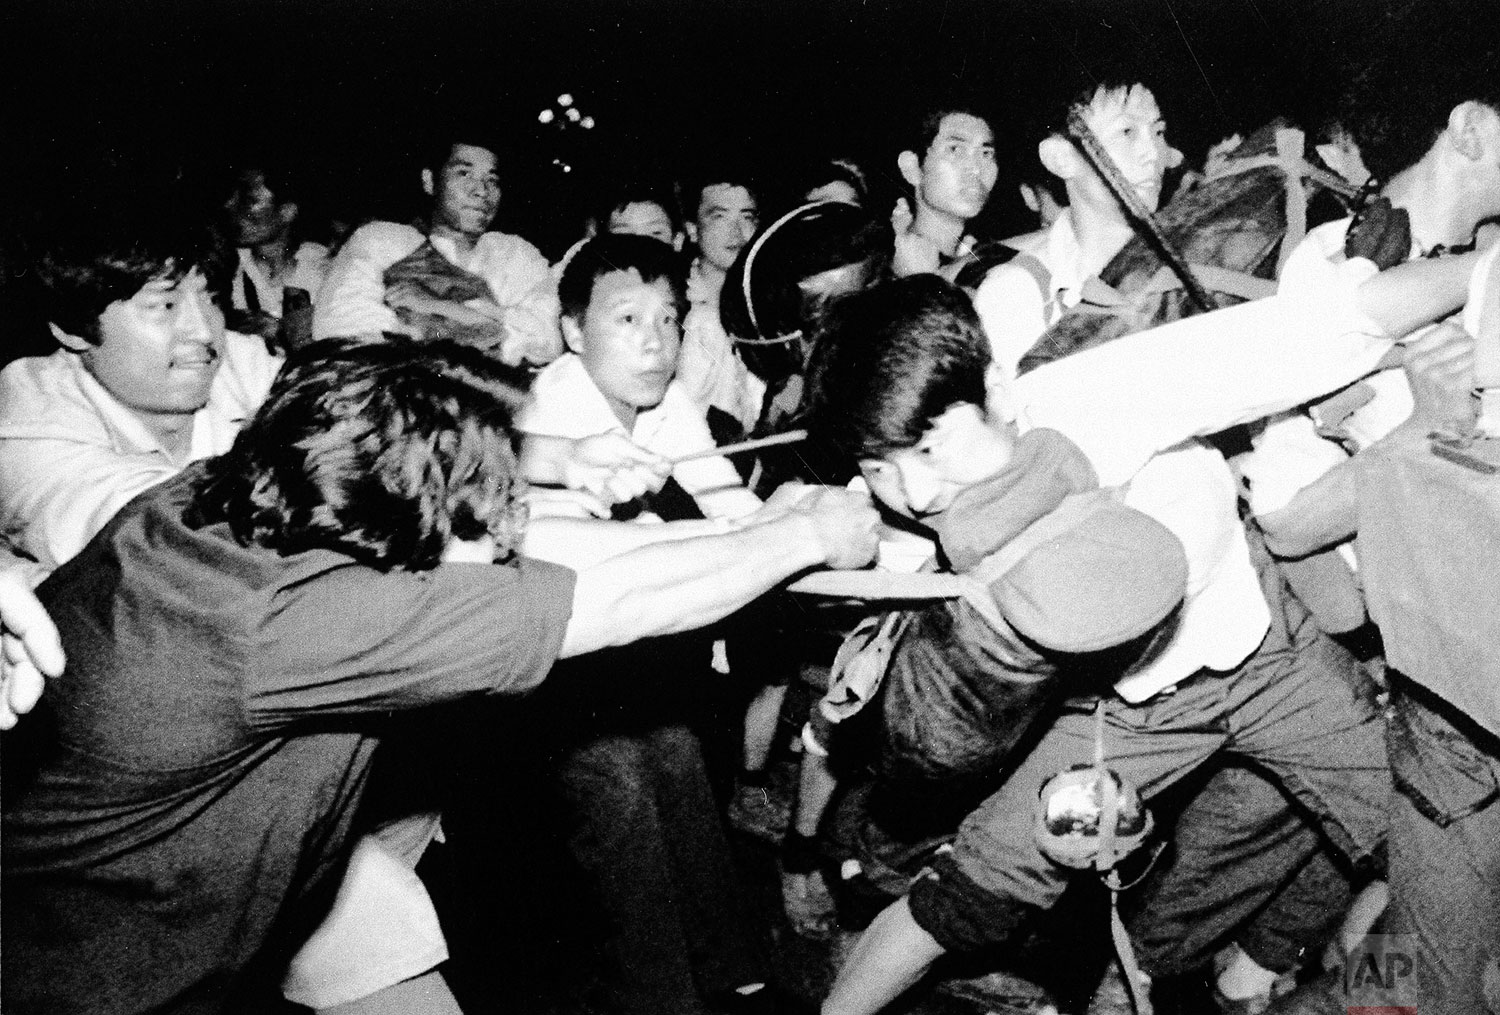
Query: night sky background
(103,93)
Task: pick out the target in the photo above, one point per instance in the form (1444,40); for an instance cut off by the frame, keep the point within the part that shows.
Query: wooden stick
(790,437)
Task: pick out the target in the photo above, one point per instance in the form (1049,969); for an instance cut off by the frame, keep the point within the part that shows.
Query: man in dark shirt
(177,815)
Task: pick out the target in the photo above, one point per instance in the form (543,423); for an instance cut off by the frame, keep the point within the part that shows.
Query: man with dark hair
(459,277)
(642,209)
(1126,407)
(622,299)
(278,273)
(1020,299)
(723,214)
(147,378)
(363,542)
(951,169)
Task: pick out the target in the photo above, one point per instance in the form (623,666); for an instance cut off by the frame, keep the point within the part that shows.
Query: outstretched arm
(678,585)
(1440,369)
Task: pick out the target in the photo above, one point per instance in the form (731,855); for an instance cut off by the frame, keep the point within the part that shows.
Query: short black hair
(892,359)
(610,252)
(441,142)
(628,192)
(99,254)
(380,450)
(925,131)
(1426,62)
(723,173)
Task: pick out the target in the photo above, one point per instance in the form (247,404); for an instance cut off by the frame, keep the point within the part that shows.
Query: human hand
(913,253)
(612,468)
(1440,369)
(844,523)
(31,649)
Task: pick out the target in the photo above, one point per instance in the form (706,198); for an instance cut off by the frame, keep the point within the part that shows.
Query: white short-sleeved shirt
(71,455)
(565,402)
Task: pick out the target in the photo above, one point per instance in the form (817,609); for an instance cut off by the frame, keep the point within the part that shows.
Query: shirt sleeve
(527,289)
(356,641)
(62,477)
(352,300)
(1124,402)
(1012,311)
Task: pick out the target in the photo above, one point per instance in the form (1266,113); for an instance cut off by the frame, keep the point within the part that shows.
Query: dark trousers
(1245,866)
(1445,859)
(642,823)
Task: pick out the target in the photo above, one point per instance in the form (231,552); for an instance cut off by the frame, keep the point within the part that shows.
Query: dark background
(98,95)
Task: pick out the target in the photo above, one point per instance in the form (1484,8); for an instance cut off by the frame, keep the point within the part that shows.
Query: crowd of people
(1061,528)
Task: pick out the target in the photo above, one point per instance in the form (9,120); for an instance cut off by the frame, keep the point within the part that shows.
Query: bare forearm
(585,543)
(1410,295)
(1326,511)
(683,584)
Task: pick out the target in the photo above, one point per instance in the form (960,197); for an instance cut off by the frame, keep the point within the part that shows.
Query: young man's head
(899,383)
(722,214)
(642,210)
(390,452)
(261,205)
(622,307)
(950,165)
(1129,125)
(1431,98)
(463,180)
(132,291)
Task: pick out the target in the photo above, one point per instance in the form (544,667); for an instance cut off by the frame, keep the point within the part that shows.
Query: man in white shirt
(463,181)
(1221,681)
(622,296)
(722,215)
(147,380)
(1089,232)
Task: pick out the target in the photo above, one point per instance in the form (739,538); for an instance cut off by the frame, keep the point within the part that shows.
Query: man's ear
(68,341)
(572,334)
(1467,133)
(677,238)
(692,233)
(911,168)
(1060,157)
(996,392)
(427,184)
(289,212)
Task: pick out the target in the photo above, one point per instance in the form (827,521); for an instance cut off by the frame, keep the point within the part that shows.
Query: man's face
(465,192)
(628,340)
(158,351)
(643,218)
(727,218)
(958,170)
(254,213)
(962,447)
(1129,125)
